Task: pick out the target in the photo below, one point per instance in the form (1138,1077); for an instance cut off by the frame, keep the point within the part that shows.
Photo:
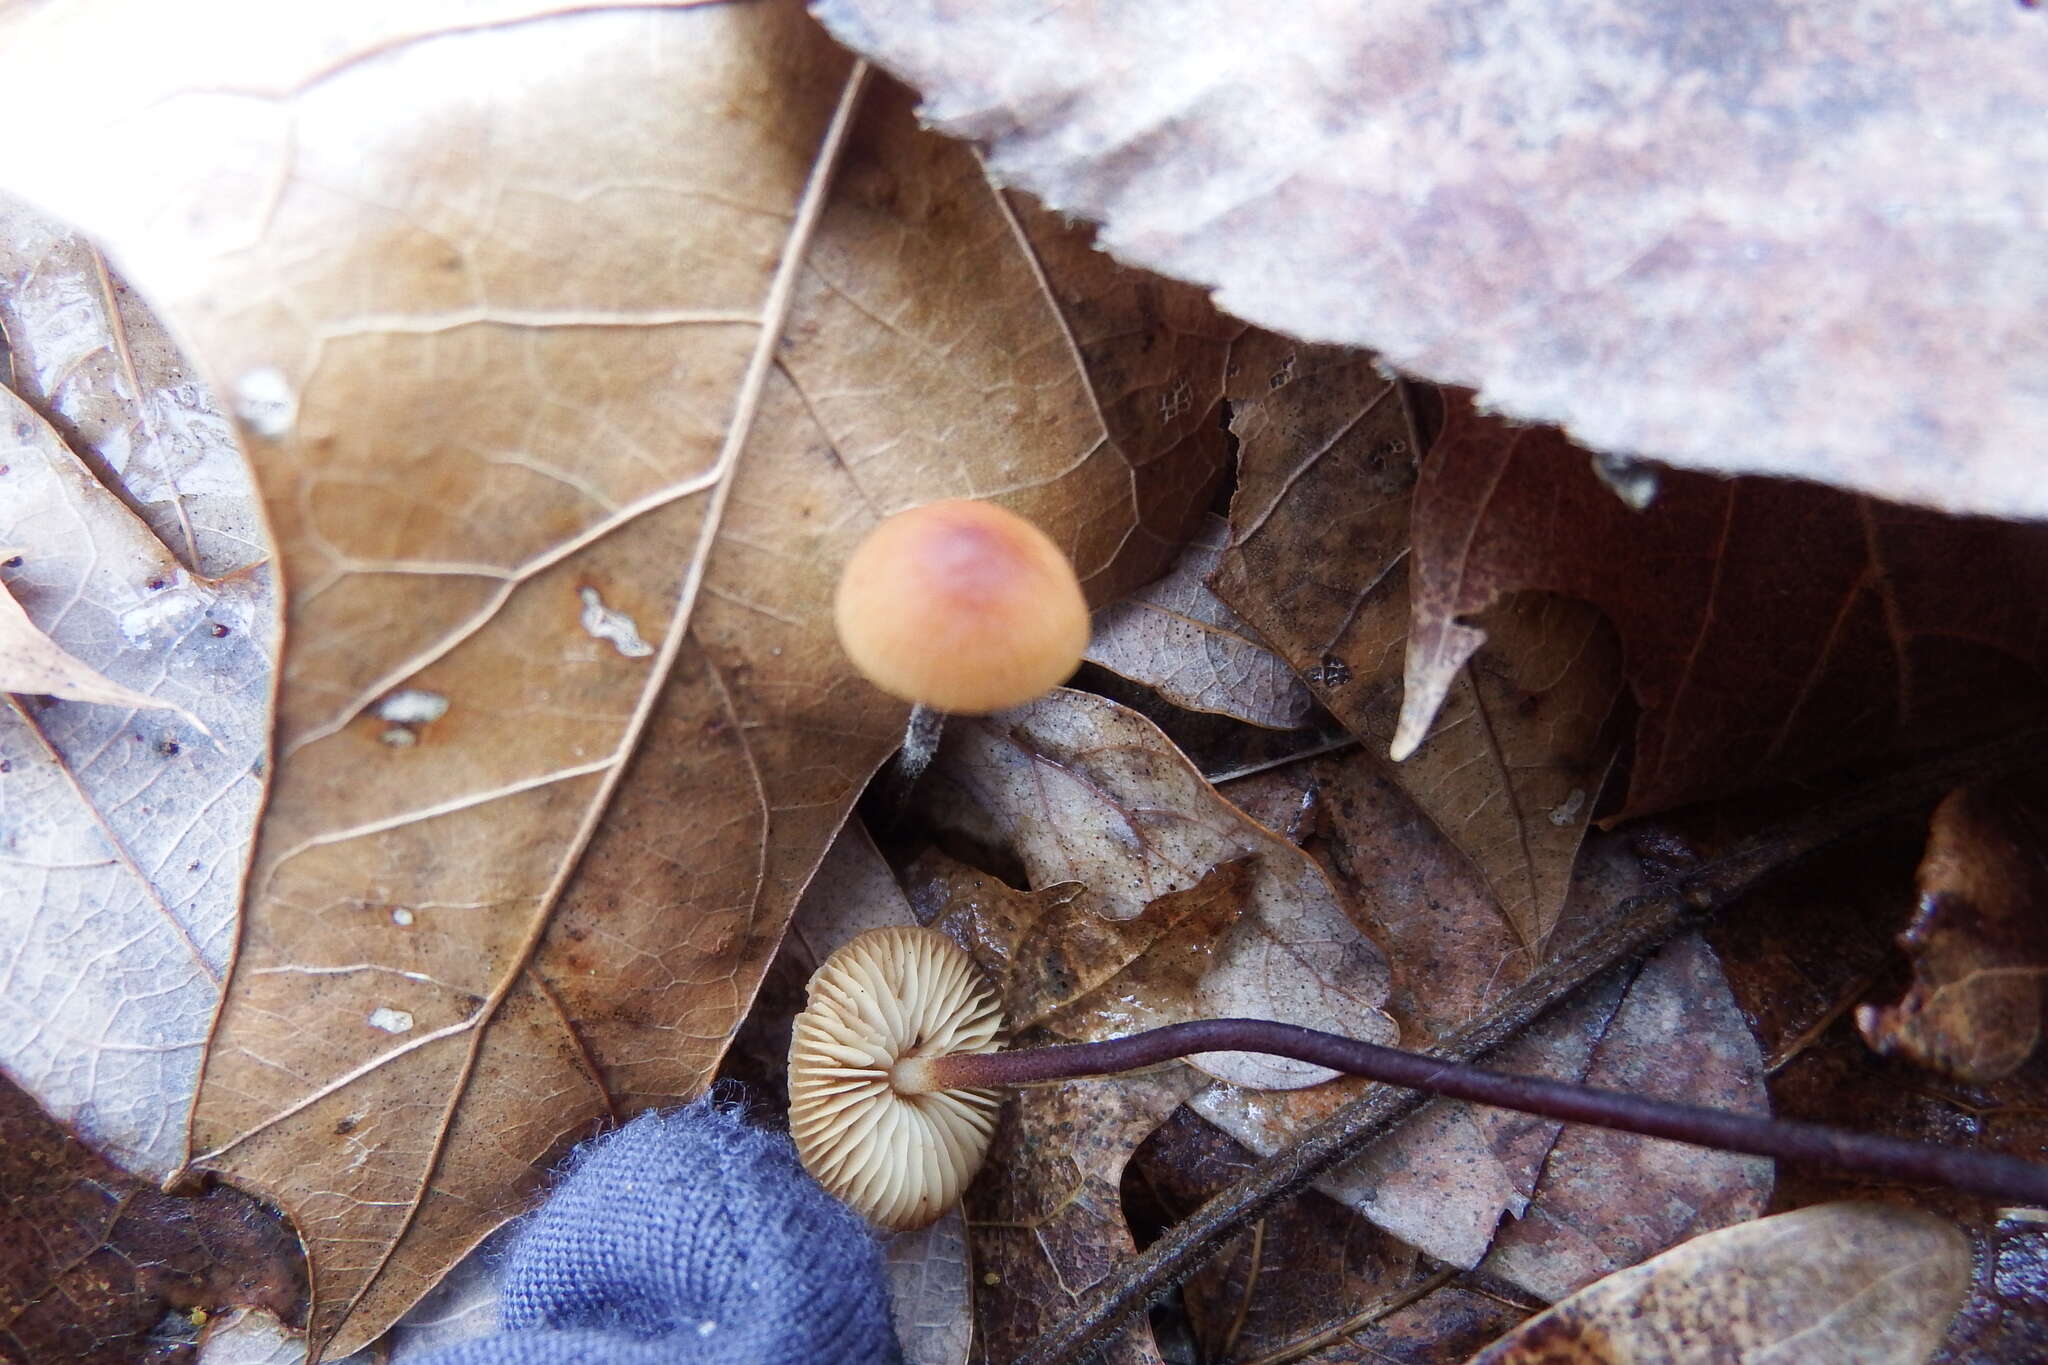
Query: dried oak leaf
(1461,1180)
(1858,1284)
(130,517)
(566,407)
(1319,563)
(1978,950)
(1179,639)
(1081,789)
(1771,628)
(98,1266)
(1757,238)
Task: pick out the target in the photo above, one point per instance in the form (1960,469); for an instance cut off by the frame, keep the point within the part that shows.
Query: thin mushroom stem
(2000,1177)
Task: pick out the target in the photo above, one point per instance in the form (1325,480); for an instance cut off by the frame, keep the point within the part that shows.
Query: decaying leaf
(1858,1284)
(1179,639)
(97,1266)
(1738,238)
(128,823)
(1319,563)
(1083,790)
(1800,953)
(930,1293)
(31,662)
(1454,1177)
(1046,1217)
(662,336)
(1771,628)
(1310,1268)
(1608,1200)
(1977,942)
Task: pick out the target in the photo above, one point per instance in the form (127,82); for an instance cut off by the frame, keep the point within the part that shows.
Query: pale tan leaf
(1754,240)
(673,327)
(34,664)
(100,365)
(129,822)
(1083,790)
(1835,1284)
(931,1298)
(1178,638)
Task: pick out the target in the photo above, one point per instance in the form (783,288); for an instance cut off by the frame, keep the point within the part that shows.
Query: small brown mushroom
(961,606)
(883,999)
(894,1064)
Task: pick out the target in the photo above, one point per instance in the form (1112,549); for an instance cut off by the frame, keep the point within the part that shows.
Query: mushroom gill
(886,996)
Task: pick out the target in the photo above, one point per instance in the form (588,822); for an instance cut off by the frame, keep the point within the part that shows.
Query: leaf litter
(448,917)
(454,448)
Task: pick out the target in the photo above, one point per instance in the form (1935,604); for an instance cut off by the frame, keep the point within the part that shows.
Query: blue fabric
(689,1238)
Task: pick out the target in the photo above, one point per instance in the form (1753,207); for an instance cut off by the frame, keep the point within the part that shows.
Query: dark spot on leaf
(155,585)
(13,563)
(168,748)
(217,630)
(346,1126)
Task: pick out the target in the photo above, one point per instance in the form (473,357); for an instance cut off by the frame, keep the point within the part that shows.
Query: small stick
(1922,1163)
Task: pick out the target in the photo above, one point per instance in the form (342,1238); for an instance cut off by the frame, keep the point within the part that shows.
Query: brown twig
(1640,924)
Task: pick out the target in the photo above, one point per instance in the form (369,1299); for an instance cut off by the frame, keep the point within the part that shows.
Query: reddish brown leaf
(1319,562)
(1979,940)
(97,1266)
(1771,629)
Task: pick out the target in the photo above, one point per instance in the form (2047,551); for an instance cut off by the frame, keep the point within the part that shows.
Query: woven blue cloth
(689,1238)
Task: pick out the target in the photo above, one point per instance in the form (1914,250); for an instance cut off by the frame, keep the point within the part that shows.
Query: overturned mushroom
(884,1000)
(895,1062)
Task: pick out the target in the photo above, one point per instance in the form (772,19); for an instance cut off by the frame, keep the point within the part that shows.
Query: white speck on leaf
(412,706)
(390,1020)
(605,624)
(401,917)
(1568,810)
(265,401)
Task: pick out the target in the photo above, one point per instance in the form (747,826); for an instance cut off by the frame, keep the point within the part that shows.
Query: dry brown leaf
(1307,1267)
(1081,789)
(1772,629)
(128,830)
(97,1266)
(1045,1214)
(1608,1200)
(1744,240)
(1319,563)
(1178,638)
(1445,1180)
(1857,1284)
(1974,1010)
(566,408)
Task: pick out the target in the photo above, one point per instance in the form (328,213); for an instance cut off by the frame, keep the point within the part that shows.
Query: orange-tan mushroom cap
(963,606)
(899,1159)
